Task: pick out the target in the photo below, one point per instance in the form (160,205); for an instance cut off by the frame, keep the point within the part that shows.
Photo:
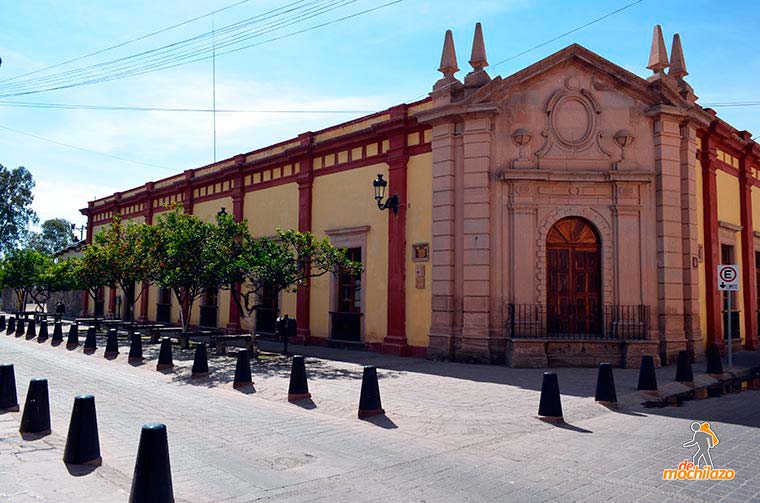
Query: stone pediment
(605,76)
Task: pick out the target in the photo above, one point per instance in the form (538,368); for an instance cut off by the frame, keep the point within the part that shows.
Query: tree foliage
(15,206)
(34,275)
(55,235)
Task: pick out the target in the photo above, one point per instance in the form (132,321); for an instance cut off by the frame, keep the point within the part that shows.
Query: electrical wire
(122,44)
(194,55)
(165,51)
(75,147)
(125,108)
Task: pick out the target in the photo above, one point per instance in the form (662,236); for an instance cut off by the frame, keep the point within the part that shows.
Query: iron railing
(616,322)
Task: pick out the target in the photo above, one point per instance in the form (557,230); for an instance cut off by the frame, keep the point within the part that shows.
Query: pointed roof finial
(677,63)
(658,55)
(449,56)
(478,57)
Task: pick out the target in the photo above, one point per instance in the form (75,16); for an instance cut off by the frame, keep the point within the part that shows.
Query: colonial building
(570,213)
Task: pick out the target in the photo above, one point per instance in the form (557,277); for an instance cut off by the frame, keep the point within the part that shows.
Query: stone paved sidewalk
(453,432)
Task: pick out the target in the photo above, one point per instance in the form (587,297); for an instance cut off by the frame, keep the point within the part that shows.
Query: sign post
(728,280)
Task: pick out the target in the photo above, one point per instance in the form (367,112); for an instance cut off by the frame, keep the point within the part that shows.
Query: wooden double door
(573,299)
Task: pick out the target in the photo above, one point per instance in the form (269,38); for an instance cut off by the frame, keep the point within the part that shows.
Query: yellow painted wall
(728,198)
(701,241)
(729,210)
(343,200)
(270,208)
(419,221)
(756,208)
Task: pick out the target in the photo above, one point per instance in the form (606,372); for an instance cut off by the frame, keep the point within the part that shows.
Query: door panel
(573,278)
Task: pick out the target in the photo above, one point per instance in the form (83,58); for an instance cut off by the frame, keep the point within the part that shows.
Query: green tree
(22,270)
(284,263)
(53,277)
(90,271)
(185,257)
(124,258)
(15,206)
(55,235)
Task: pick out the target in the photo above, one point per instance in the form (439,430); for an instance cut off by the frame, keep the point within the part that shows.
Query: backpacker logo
(704,439)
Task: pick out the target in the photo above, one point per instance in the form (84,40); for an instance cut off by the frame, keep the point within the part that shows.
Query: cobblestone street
(453,432)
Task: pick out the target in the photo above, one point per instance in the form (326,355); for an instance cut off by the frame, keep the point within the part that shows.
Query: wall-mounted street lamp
(380,185)
(221,212)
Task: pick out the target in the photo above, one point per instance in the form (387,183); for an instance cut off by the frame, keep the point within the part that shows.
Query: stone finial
(449,57)
(677,63)
(478,57)
(658,55)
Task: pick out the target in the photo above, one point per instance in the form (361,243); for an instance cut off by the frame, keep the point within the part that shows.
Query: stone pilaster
(443,246)
(749,288)
(667,144)
(476,243)
(689,240)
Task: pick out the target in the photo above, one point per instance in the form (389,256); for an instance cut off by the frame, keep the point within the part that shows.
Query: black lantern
(221,212)
(379,184)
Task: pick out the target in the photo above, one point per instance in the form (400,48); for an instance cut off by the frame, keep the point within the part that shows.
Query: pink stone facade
(570,136)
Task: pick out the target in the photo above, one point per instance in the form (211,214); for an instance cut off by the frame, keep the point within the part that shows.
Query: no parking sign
(728,277)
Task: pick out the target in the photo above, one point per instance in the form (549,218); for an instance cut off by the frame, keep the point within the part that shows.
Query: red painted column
(112,301)
(88,240)
(148,214)
(237,213)
(749,288)
(305,183)
(395,340)
(714,336)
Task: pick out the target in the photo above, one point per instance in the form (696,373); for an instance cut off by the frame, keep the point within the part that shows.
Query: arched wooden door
(574,274)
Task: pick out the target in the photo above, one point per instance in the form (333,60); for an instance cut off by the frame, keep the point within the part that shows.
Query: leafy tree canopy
(55,234)
(15,206)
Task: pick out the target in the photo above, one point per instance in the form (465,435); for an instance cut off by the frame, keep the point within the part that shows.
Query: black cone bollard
(36,416)
(19,327)
(200,362)
(165,355)
(714,365)
(31,330)
(82,443)
(369,400)
(647,375)
(2,322)
(57,333)
(73,341)
(112,344)
(605,385)
(11,326)
(683,371)
(42,335)
(242,370)
(8,398)
(550,405)
(152,480)
(299,386)
(135,349)
(90,341)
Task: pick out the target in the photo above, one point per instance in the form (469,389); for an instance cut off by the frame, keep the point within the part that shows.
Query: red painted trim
(727,168)
(85,301)
(112,300)
(749,290)
(714,334)
(237,212)
(395,339)
(305,183)
(144,301)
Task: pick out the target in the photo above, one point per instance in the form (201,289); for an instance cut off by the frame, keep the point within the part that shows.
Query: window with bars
(350,285)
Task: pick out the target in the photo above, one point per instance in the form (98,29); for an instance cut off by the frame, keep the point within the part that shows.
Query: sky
(365,63)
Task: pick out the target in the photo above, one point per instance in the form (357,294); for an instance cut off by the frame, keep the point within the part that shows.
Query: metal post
(730,335)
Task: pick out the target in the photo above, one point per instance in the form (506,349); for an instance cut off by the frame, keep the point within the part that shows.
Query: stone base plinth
(634,350)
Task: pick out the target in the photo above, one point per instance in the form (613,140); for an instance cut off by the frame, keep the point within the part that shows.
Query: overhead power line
(126,108)
(122,44)
(154,60)
(171,50)
(75,147)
